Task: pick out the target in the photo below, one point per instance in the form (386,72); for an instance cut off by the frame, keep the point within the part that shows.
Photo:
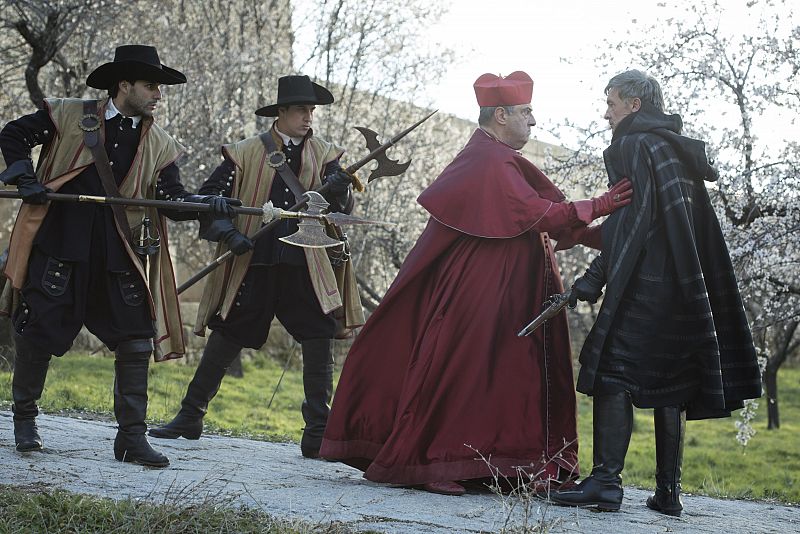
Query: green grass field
(714,464)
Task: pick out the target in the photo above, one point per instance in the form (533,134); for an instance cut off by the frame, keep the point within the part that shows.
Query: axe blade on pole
(221,260)
(386,166)
(311,231)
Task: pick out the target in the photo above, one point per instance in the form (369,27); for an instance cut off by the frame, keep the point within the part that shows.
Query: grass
(37,509)
(82,383)
(714,463)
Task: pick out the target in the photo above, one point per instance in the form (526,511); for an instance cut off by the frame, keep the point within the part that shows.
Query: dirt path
(274,477)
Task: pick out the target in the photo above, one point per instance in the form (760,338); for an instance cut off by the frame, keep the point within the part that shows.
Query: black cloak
(672,329)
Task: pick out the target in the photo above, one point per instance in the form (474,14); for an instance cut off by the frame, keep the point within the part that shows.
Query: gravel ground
(274,477)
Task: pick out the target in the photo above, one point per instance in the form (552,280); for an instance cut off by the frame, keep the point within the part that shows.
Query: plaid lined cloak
(672,329)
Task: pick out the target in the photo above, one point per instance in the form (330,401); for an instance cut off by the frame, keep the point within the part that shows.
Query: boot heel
(182,426)
(134,448)
(26,436)
(192,434)
(608,507)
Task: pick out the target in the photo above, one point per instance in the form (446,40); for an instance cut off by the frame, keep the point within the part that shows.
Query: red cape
(437,375)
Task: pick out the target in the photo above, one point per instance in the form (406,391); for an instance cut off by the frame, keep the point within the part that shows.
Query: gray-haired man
(671,333)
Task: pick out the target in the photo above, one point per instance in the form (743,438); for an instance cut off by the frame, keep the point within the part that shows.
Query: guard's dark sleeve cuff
(221,181)
(19,169)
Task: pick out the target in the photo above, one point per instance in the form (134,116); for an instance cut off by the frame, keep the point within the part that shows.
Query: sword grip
(557,303)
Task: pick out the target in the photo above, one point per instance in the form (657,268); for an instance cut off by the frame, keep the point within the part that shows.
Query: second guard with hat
(437,377)
(270,278)
(71,265)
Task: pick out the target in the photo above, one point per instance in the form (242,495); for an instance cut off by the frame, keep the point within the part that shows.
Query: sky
(554,41)
(534,36)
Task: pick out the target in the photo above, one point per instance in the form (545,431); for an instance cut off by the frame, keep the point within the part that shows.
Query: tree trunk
(783,346)
(771,385)
(32,82)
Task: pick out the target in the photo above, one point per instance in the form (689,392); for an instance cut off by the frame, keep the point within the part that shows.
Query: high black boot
(30,372)
(130,405)
(318,388)
(612,427)
(217,357)
(670,423)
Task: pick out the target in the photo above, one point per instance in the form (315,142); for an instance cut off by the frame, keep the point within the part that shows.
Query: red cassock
(437,376)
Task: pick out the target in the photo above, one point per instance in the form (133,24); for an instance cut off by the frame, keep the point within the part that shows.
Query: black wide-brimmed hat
(134,62)
(296,90)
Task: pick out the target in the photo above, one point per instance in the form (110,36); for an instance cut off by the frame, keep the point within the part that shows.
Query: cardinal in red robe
(438,388)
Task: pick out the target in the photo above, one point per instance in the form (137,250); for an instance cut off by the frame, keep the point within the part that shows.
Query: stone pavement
(274,477)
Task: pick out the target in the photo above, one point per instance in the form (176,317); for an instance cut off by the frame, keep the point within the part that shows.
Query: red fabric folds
(437,376)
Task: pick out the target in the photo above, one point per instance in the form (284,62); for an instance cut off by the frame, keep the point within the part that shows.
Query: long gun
(386,167)
(554,304)
(141,202)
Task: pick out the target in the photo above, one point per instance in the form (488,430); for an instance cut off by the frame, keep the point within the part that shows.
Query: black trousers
(59,297)
(268,291)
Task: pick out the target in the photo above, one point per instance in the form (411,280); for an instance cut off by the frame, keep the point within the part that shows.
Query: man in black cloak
(671,333)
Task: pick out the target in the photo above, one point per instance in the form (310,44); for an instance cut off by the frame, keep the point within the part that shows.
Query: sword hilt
(554,304)
(148,244)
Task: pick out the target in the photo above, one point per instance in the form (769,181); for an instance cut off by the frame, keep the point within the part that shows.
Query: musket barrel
(140,202)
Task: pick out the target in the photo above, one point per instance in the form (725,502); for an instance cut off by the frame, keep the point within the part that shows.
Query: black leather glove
(21,174)
(589,287)
(237,242)
(221,207)
(222,230)
(31,191)
(339,181)
(19,169)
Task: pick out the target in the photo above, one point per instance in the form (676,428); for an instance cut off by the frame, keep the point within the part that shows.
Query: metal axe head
(386,166)
(311,232)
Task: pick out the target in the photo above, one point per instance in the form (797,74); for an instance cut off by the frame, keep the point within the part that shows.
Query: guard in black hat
(268,277)
(298,91)
(72,265)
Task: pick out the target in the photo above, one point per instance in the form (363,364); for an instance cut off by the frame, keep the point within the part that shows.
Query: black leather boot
(30,372)
(670,423)
(318,388)
(612,427)
(217,357)
(130,405)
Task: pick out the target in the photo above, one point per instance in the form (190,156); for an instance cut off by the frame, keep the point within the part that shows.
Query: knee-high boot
(612,427)
(30,372)
(670,426)
(217,357)
(130,405)
(318,388)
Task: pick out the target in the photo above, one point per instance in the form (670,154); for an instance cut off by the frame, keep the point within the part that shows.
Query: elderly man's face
(518,126)
(619,108)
